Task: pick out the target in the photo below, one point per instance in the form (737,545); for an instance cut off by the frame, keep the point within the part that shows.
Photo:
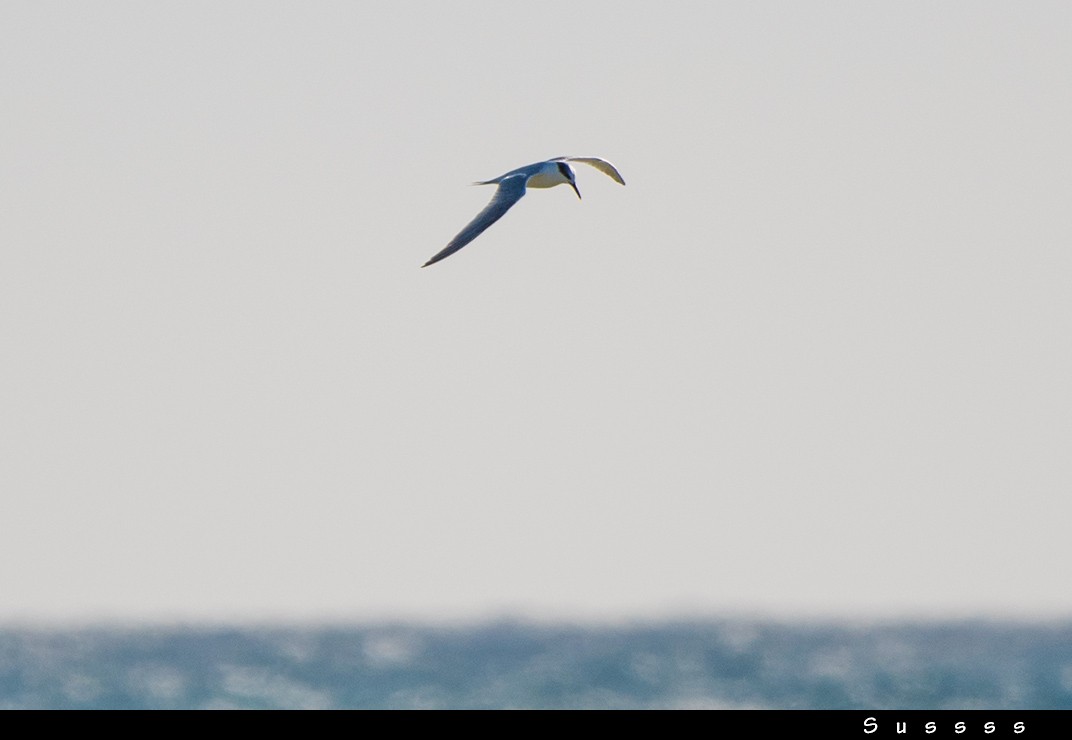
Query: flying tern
(512,186)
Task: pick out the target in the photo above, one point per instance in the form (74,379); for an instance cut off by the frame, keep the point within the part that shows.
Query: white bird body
(512,187)
(546,177)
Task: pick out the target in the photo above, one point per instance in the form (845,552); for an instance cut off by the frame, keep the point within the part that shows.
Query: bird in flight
(512,186)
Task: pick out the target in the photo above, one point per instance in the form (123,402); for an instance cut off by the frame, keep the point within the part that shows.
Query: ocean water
(697,664)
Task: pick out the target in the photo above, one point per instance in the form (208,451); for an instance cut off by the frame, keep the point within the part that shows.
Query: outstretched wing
(509,192)
(600,164)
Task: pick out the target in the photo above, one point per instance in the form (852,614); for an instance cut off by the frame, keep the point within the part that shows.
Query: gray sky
(814,359)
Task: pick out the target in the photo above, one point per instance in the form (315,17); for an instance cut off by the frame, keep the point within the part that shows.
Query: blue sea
(718,664)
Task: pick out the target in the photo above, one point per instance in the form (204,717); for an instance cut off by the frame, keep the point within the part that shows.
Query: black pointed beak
(574,186)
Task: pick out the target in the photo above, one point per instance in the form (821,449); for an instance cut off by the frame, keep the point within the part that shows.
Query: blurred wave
(696,664)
